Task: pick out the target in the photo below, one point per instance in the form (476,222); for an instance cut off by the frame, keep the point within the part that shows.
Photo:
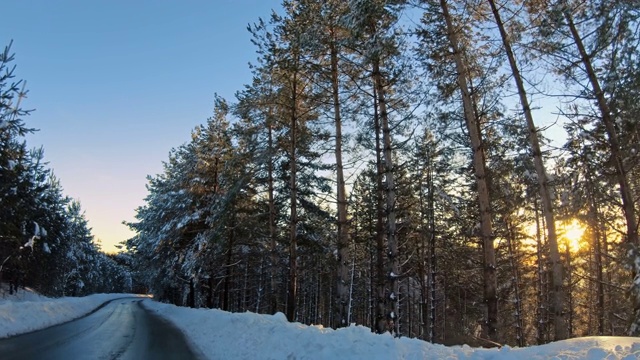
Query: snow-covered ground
(27,311)
(223,335)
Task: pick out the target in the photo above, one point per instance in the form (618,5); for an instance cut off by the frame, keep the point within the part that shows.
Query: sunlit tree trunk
(541,316)
(479,166)
(570,309)
(557,290)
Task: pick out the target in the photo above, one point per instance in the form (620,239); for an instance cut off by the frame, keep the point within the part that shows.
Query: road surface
(121,329)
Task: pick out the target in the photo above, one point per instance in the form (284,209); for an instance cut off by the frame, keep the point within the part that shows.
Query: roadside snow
(28,311)
(223,335)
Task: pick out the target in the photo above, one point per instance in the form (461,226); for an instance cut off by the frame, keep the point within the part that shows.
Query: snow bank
(29,312)
(223,335)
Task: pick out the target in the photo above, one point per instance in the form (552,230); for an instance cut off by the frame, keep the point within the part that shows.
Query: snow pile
(22,316)
(223,335)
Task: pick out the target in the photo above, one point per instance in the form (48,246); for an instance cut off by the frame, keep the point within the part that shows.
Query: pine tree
(453,33)
(580,38)
(545,194)
(372,23)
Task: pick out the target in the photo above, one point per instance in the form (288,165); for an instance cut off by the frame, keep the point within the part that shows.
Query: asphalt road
(121,329)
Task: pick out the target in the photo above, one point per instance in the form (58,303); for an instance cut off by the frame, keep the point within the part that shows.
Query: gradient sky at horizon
(116,84)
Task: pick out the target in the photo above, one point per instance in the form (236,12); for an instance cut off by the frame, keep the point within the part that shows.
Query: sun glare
(571,233)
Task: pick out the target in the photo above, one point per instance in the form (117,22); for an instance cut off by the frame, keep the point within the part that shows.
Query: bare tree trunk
(423,264)
(430,297)
(342,289)
(570,288)
(210,295)
(210,303)
(600,279)
(557,290)
(392,244)
(511,237)
(228,267)
(433,266)
(381,299)
(292,294)
(479,165)
(594,224)
(227,270)
(541,319)
(273,296)
(191,299)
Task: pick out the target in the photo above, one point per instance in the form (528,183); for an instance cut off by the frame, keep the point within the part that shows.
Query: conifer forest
(458,171)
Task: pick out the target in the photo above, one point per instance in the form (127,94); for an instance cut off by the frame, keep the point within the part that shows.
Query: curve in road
(121,329)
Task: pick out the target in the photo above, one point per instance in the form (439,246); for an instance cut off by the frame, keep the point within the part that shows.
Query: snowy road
(122,329)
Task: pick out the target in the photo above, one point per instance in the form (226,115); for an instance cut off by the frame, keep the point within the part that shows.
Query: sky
(116,84)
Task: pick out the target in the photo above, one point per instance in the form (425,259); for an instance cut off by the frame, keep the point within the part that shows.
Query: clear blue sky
(116,84)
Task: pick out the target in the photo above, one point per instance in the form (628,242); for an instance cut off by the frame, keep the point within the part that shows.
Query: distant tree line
(45,241)
(384,168)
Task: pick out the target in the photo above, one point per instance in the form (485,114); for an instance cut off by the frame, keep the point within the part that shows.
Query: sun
(571,233)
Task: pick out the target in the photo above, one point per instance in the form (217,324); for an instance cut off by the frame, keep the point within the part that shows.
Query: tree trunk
(273,296)
(614,147)
(342,289)
(210,303)
(381,299)
(570,288)
(541,319)
(423,264)
(293,226)
(557,290)
(519,323)
(228,264)
(392,244)
(479,165)
(191,299)
(594,224)
(432,264)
